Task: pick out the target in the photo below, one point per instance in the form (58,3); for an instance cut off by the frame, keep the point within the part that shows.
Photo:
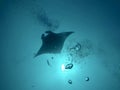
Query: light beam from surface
(62,67)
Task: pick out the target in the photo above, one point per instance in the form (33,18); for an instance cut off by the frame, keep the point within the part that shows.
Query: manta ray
(52,42)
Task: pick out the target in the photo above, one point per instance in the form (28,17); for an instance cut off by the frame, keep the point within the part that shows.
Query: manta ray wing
(52,42)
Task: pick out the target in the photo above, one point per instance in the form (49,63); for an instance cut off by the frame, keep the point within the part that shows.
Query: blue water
(96,24)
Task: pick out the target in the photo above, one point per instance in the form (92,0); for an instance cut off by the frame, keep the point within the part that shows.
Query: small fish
(48,63)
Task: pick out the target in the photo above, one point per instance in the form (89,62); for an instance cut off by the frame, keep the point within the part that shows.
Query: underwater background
(96,27)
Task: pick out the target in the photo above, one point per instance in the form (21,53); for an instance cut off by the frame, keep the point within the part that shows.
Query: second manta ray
(52,42)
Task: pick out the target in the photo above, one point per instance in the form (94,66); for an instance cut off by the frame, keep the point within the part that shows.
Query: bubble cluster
(79,50)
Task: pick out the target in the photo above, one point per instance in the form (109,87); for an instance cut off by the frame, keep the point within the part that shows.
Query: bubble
(52,57)
(87,79)
(69,66)
(70,81)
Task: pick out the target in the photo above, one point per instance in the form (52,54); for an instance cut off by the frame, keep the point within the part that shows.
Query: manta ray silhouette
(52,42)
